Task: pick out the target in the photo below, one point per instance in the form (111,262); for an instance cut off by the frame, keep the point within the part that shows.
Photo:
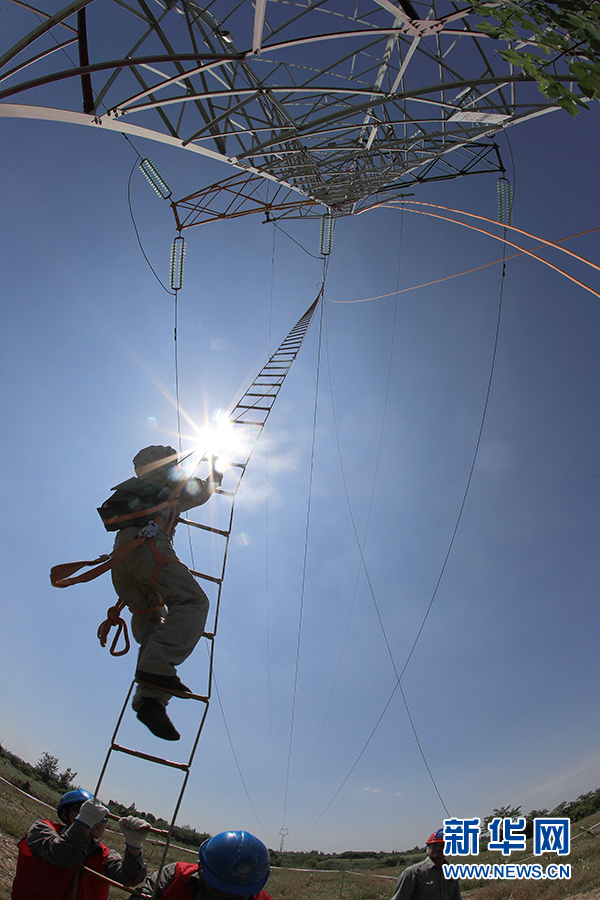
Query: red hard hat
(436,838)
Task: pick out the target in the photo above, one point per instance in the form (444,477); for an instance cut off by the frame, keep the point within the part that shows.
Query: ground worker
(52,855)
(231,865)
(169,607)
(427,879)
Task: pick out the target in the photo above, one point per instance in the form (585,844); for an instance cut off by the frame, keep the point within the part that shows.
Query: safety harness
(114,519)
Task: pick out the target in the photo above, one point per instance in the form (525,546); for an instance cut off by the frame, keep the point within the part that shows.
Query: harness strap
(150,610)
(161,560)
(60,575)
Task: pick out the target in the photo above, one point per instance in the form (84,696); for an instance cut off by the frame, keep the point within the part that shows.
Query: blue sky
(500,682)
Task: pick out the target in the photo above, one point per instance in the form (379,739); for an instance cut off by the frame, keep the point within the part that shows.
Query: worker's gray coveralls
(425,882)
(72,847)
(166,639)
(161,882)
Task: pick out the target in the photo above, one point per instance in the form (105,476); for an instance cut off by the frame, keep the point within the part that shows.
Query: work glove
(215,475)
(91,813)
(135,831)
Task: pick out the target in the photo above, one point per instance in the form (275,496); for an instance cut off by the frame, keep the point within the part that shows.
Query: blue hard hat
(235,862)
(71,797)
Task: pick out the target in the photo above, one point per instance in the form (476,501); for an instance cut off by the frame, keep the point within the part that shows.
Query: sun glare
(223,440)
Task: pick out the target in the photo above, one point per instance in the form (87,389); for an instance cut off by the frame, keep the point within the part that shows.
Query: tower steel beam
(337,101)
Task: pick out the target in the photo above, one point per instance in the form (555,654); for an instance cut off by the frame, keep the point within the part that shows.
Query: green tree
(65,779)
(554,33)
(534,814)
(47,767)
(505,812)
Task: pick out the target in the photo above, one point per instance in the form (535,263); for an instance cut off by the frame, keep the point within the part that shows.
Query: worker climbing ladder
(248,418)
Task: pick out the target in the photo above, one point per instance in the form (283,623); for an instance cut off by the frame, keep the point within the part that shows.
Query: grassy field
(584,860)
(354,879)
(18,811)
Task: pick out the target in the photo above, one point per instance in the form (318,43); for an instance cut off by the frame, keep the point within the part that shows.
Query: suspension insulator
(326,235)
(177,263)
(155,178)
(505,202)
(509,203)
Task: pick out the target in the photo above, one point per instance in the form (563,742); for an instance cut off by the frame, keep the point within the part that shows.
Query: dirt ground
(8,864)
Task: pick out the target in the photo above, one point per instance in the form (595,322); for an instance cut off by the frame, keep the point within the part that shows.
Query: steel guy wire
(307,528)
(454,533)
(369,511)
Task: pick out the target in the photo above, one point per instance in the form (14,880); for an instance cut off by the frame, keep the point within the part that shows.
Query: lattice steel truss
(346,102)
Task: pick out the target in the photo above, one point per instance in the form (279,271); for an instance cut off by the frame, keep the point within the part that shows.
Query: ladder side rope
(303,583)
(275,369)
(246,405)
(228,732)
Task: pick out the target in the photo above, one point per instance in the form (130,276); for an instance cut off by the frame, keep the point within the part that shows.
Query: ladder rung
(204,527)
(244,422)
(252,406)
(262,387)
(157,759)
(206,577)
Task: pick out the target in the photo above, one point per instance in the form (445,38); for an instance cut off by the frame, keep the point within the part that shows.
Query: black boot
(154,716)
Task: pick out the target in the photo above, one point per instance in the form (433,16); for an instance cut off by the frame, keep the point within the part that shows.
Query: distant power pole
(283,833)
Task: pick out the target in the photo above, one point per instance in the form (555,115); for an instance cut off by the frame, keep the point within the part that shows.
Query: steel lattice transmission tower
(330,105)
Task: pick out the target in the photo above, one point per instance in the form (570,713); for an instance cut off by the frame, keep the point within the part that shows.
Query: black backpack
(134,503)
